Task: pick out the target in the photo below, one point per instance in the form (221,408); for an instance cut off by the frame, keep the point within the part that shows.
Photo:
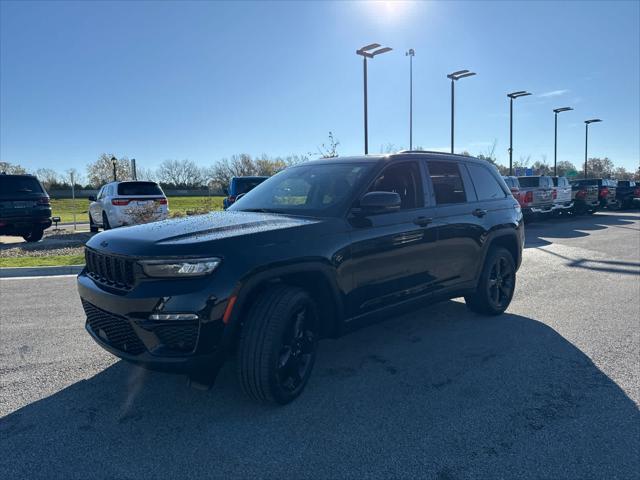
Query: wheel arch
(316,278)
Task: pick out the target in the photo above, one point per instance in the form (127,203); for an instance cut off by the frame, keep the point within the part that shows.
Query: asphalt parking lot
(551,389)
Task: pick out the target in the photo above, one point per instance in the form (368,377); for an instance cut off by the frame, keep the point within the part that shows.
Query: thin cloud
(553,93)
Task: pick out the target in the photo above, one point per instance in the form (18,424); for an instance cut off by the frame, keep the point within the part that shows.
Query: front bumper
(119,323)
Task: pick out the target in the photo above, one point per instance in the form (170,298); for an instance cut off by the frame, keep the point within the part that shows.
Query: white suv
(127,203)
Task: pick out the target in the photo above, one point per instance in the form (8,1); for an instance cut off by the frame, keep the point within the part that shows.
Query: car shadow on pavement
(541,233)
(436,393)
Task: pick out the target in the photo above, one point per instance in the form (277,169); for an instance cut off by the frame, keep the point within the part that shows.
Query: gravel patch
(60,242)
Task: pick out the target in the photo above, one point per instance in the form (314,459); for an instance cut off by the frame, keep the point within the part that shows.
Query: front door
(391,252)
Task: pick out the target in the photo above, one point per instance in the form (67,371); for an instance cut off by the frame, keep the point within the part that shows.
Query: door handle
(422,221)
(479,212)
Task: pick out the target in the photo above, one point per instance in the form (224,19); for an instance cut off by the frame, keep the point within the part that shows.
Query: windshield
(309,189)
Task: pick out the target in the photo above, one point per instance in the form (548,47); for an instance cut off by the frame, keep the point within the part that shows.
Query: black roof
(403,154)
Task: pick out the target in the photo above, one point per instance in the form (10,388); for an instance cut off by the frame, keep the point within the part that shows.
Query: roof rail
(432,151)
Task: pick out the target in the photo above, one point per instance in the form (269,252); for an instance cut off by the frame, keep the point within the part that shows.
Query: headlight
(195,267)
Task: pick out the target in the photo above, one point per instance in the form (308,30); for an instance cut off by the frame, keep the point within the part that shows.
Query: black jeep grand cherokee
(309,253)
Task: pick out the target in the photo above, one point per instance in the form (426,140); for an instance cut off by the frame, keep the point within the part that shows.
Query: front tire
(278,345)
(496,284)
(92,226)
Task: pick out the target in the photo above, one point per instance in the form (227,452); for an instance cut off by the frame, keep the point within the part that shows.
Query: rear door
(392,253)
(460,223)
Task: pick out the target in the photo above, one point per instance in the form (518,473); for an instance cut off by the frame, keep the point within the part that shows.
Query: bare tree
(180,174)
(12,168)
(564,167)
(101,171)
(77,177)
(329,149)
(599,167)
(48,177)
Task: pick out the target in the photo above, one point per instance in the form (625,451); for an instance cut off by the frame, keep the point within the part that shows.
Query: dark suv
(240,186)
(312,252)
(25,210)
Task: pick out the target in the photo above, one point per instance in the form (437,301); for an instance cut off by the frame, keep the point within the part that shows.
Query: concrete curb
(13,272)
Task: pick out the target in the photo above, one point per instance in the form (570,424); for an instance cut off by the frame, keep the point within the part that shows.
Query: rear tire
(34,235)
(105,222)
(496,284)
(278,345)
(92,226)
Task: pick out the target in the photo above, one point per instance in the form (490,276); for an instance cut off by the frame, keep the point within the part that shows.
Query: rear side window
(447,182)
(139,188)
(486,185)
(17,185)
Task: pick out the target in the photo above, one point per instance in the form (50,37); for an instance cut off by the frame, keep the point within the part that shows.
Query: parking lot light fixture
(512,96)
(556,111)
(454,77)
(586,140)
(368,51)
(410,53)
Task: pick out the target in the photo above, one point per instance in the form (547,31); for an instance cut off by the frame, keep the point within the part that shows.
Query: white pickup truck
(562,201)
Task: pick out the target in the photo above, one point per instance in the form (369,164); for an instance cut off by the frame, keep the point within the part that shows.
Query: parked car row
(543,195)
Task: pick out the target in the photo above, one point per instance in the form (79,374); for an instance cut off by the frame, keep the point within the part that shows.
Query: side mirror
(92,198)
(380,202)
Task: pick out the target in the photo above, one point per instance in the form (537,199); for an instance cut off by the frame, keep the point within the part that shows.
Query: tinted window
(447,182)
(139,188)
(308,189)
(528,182)
(16,185)
(244,185)
(486,185)
(403,179)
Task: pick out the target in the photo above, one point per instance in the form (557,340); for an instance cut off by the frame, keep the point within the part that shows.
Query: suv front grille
(113,330)
(109,270)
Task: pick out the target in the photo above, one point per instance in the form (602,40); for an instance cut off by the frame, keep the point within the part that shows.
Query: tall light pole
(586,141)
(556,111)
(411,53)
(366,52)
(455,76)
(114,162)
(512,96)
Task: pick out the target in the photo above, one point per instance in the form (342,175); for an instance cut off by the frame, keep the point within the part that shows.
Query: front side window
(486,185)
(309,189)
(403,179)
(447,182)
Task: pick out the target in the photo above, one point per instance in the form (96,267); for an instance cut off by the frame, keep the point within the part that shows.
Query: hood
(177,236)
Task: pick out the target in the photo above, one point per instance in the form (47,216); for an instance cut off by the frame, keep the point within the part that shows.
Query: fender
(498,233)
(266,273)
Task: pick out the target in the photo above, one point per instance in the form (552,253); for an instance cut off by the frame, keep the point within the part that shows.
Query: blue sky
(205,80)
